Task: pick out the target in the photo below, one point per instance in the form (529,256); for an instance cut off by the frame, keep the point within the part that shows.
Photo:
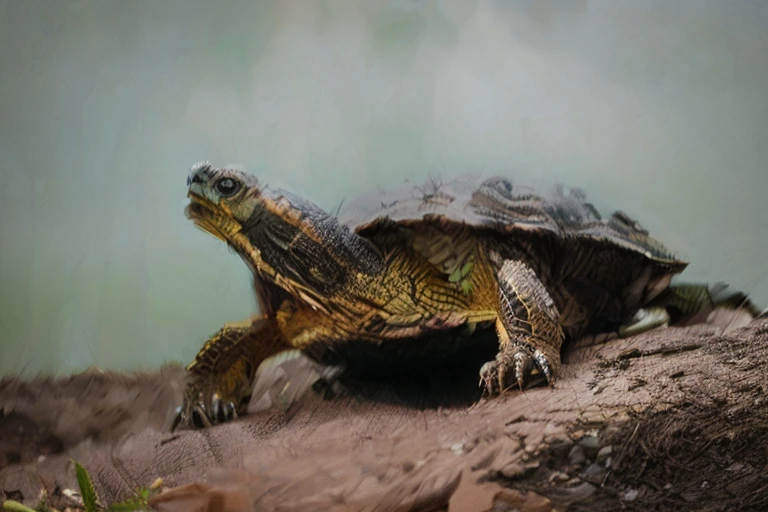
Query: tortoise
(424,267)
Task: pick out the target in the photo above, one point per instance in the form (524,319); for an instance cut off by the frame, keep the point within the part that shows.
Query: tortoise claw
(543,365)
(488,377)
(199,418)
(179,419)
(495,375)
(523,367)
(195,415)
(223,411)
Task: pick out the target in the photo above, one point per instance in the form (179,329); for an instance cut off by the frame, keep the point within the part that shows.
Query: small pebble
(581,492)
(558,476)
(590,444)
(576,455)
(593,469)
(630,495)
(513,470)
(604,453)
(72,494)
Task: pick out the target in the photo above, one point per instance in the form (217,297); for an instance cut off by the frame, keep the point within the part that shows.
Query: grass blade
(86,488)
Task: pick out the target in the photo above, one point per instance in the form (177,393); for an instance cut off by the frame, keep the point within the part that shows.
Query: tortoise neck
(306,249)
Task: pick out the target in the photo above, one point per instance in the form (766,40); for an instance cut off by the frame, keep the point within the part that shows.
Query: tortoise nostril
(195,177)
(201,172)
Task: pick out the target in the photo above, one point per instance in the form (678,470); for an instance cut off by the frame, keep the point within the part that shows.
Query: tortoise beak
(198,179)
(199,174)
(198,206)
(208,217)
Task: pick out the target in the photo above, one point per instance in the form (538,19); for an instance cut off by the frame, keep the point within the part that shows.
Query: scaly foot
(523,366)
(221,378)
(529,333)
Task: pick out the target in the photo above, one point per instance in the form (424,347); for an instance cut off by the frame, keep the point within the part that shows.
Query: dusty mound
(674,419)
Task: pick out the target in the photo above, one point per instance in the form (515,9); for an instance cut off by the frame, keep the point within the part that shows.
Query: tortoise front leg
(220,378)
(530,335)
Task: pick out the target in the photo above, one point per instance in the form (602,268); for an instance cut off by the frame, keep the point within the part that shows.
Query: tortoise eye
(227,186)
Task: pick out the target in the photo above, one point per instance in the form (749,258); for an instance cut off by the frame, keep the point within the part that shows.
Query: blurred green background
(658,108)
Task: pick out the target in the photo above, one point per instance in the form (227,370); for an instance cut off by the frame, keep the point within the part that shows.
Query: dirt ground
(673,419)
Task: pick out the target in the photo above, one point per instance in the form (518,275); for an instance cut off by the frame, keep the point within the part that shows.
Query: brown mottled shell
(496,202)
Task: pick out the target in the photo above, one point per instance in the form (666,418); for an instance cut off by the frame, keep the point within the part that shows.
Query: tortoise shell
(497,203)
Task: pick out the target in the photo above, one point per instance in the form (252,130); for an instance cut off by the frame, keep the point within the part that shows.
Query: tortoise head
(222,201)
(283,238)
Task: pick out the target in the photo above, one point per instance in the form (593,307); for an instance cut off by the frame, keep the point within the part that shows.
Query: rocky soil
(673,419)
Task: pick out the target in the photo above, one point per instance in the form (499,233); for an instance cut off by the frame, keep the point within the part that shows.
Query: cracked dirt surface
(673,419)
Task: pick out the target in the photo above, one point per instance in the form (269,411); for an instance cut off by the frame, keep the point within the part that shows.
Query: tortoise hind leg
(530,335)
(685,300)
(221,377)
(645,319)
